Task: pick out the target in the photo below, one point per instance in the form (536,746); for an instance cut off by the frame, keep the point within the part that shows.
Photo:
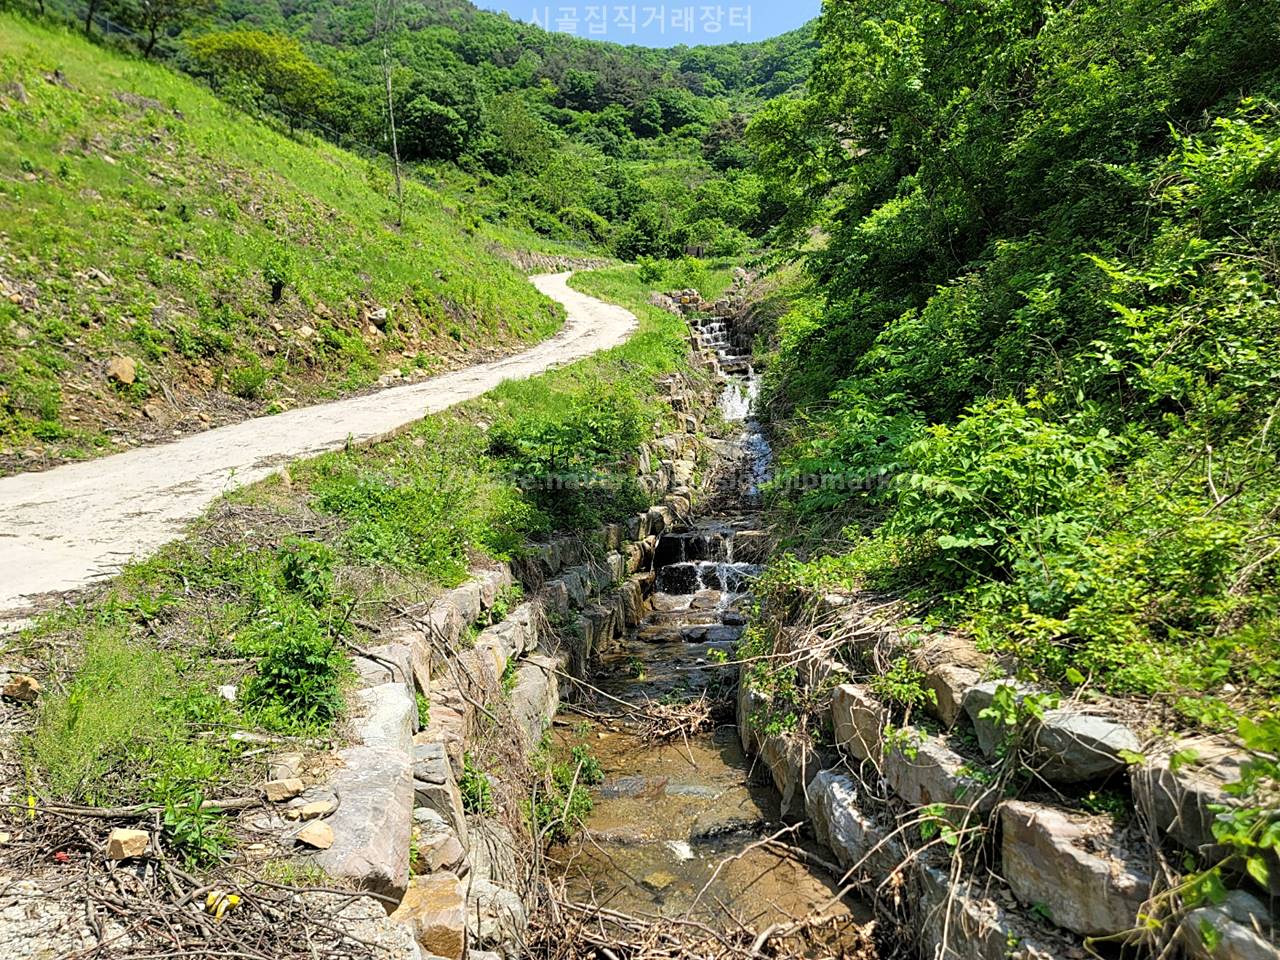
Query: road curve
(67,527)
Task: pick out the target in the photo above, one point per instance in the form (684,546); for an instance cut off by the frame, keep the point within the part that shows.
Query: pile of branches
(155,908)
(662,722)
(568,930)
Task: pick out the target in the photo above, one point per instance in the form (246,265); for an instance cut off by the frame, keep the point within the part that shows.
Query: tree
(161,16)
(268,66)
(431,131)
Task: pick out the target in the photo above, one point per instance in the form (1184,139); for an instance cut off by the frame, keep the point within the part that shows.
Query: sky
(661,23)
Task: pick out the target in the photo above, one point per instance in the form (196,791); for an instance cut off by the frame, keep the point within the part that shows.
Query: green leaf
(1257,868)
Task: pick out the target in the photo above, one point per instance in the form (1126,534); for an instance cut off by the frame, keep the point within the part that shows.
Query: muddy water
(676,826)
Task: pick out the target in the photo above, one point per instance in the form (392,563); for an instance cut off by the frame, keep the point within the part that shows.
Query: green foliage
(85,731)
(193,832)
(477,791)
(1039,341)
(561,800)
(217,238)
(507,599)
(263,68)
(902,685)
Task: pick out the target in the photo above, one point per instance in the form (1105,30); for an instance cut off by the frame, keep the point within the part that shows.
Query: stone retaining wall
(1037,876)
(395,785)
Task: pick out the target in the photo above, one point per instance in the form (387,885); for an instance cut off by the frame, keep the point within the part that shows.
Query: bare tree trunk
(384,18)
(151,42)
(88,17)
(395,146)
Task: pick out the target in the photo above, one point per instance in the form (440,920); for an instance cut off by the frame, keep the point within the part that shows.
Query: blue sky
(662,23)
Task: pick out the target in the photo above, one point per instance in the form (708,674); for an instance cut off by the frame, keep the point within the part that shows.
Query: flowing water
(675,826)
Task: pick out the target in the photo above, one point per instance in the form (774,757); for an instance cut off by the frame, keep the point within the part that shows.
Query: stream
(676,825)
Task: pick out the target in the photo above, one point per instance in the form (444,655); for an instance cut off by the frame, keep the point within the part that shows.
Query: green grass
(142,216)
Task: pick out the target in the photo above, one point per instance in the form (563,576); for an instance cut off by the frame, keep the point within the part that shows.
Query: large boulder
(1065,746)
(861,844)
(535,698)
(386,715)
(924,770)
(858,719)
(373,823)
(1072,869)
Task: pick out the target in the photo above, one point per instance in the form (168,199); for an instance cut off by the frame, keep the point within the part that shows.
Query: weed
(477,791)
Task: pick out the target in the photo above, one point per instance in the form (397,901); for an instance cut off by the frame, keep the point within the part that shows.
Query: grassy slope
(145,227)
(266,584)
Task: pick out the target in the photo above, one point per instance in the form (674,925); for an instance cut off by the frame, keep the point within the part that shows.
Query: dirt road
(64,528)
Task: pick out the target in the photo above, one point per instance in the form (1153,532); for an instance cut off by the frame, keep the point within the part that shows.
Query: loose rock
(125,844)
(279,791)
(22,688)
(318,836)
(122,370)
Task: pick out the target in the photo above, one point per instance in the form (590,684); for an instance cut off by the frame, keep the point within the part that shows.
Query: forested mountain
(558,133)
(1041,333)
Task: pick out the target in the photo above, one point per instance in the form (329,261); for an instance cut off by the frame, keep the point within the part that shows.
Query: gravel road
(64,528)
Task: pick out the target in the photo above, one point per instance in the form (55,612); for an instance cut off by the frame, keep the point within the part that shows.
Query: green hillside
(242,270)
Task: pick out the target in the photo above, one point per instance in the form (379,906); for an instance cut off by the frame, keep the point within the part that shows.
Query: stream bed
(677,825)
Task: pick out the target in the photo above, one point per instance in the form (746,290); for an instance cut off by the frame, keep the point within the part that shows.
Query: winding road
(65,528)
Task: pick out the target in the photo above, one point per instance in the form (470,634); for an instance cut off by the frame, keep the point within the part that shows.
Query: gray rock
(1067,746)
(467,600)
(1047,862)
(373,823)
(492,852)
(535,698)
(387,717)
(434,786)
(389,663)
(1070,747)
(1177,785)
(523,620)
(492,583)
(949,683)
(858,720)
(859,843)
(793,763)
(444,621)
(961,921)
(555,598)
(496,919)
(923,770)
(750,705)
(577,581)
(1240,928)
